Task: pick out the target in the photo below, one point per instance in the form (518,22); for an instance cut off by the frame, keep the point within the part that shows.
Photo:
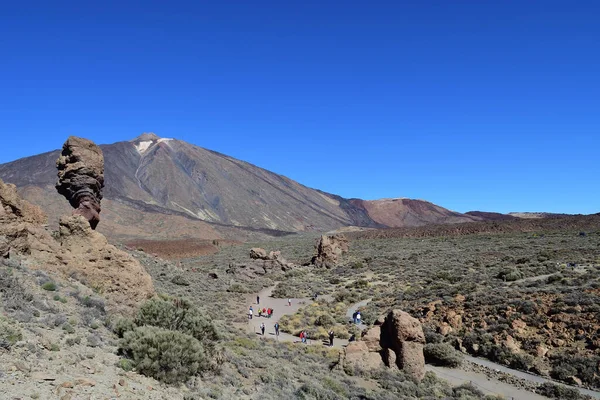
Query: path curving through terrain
(525,375)
(280,308)
(454,376)
(353,309)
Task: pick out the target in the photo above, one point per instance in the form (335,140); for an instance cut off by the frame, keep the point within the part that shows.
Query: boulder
(403,335)
(81,177)
(397,343)
(372,337)
(257,253)
(330,250)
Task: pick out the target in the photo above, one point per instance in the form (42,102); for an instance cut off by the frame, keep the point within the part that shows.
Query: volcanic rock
(81,177)
(403,335)
(396,343)
(330,250)
(257,253)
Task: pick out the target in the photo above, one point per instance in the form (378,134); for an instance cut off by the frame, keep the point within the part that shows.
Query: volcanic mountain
(166,188)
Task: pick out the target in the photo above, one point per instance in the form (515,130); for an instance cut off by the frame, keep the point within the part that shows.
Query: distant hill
(167,188)
(491,216)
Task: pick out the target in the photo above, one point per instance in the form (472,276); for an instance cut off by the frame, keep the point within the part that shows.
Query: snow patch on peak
(143,146)
(164,140)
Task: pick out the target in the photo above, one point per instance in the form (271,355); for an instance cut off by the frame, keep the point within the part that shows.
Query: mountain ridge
(209,193)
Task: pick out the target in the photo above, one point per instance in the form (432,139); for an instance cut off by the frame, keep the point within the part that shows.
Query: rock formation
(257,253)
(402,339)
(81,177)
(396,343)
(77,251)
(330,250)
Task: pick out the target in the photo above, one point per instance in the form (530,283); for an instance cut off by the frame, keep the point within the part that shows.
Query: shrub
(163,354)
(442,354)
(177,315)
(558,391)
(510,275)
(237,288)
(123,325)
(14,294)
(9,334)
(325,320)
(49,286)
(125,364)
(180,280)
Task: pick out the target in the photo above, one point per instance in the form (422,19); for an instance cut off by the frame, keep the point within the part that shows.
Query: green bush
(558,392)
(177,315)
(163,354)
(510,275)
(170,340)
(123,325)
(442,354)
(49,286)
(9,334)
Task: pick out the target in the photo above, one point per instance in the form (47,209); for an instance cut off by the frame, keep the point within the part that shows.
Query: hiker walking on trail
(358,317)
(250,313)
(277,329)
(259,312)
(257,299)
(290,302)
(262,328)
(354,317)
(331,338)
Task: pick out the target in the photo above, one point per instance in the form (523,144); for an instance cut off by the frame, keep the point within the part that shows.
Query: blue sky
(473,105)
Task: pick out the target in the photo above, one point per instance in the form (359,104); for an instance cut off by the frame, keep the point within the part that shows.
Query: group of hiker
(356,317)
(267,312)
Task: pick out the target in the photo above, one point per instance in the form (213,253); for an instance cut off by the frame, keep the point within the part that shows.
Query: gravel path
(525,375)
(487,385)
(280,308)
(355,307)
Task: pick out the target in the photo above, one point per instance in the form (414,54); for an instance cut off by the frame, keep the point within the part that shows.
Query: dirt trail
(488,385)
(454,376)
(280,308)
(355,307)
(526,375)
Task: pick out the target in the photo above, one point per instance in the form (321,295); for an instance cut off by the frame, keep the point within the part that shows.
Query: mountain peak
(146,136)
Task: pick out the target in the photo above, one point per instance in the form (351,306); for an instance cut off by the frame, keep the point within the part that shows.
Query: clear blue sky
(473,105)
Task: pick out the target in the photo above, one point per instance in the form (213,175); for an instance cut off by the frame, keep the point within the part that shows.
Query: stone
(445,329)
(371,338)
(575,381)
(511,344)
(403,334)
(541,351)
(85,382)
(42,376)
(396,343)
(330,250)
(257,253)
(81,177)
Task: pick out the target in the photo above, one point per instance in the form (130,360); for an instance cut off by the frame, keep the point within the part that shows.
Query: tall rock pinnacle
(81,177)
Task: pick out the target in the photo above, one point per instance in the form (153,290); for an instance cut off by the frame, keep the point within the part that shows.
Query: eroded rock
(330,250)
(397,343)
(81,177)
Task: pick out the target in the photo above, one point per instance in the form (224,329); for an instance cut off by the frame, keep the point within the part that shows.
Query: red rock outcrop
(81,177)
(397,343)
(330,250)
